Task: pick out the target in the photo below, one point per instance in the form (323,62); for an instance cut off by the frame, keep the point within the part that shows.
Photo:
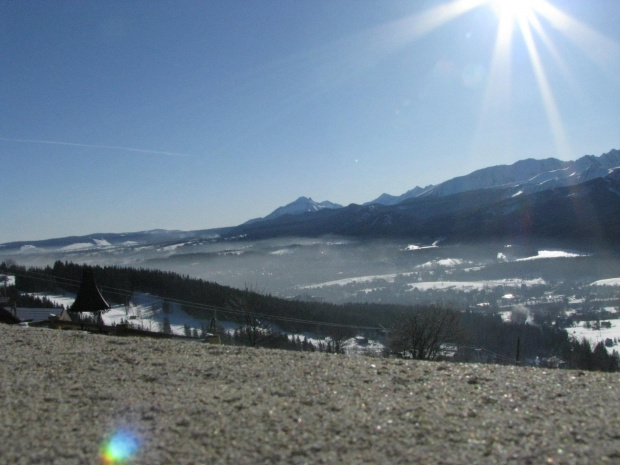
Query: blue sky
(123,116)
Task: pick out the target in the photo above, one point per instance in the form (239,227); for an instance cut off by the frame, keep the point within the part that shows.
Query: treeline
(582,357)
(264,337)
(30,301)
(255,312)
(118,283)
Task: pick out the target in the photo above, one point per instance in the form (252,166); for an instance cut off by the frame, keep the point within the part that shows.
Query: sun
(515,10)
(527,27)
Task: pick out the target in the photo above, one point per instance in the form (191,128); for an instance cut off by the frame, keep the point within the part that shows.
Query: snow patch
(170,248)
(65,300)
(446,262)
(421,247)
(7,280)
(281,252)
(542,254)
(146,311)
(77,246)
(607,282)
(359,279)
(594,336)
(473,285)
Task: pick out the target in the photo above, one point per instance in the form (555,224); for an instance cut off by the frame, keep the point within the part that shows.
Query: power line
(226,310)
(230,311)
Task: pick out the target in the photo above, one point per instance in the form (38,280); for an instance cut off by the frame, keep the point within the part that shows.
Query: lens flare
(119,448)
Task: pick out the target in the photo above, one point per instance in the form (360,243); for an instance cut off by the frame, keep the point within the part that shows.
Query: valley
(576,289)
(340,269)
(531,243)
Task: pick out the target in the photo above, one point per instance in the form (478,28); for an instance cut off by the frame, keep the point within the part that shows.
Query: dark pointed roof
(89,299)
(6,316)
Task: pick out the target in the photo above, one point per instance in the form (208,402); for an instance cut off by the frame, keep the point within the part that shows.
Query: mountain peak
(301,205)
(387,199)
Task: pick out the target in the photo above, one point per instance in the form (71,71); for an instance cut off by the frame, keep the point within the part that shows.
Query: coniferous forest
(479,332)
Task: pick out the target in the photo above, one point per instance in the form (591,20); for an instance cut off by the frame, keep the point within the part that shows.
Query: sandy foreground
(63,394)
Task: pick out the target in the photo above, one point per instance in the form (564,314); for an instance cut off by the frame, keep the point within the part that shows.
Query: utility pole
(213,323)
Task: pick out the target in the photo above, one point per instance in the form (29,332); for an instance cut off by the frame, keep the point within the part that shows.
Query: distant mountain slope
(525,175)
(301,205)
(105,240)
(587,212)
(387,199)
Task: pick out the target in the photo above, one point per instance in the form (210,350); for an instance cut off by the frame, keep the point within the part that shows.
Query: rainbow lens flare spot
(119,448)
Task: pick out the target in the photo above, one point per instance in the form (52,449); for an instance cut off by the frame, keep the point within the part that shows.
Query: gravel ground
(62,393)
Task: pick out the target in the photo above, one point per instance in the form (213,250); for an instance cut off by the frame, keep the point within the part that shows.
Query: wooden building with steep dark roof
(89,299)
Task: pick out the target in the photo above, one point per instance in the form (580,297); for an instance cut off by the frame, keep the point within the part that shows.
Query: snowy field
(65,300)
(474,285)
(607,282)
(594,336)
(356,280)
(146,312)
(7,280)
(546,254)
(435,285)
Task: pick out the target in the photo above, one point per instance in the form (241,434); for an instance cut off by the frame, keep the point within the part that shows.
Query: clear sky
(121,116)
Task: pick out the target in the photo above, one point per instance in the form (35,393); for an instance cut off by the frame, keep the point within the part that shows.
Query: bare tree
(423,330)
(338,335)
(252,330)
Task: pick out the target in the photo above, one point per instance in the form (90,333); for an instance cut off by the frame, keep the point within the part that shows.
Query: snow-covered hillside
(146,311)
(594,333)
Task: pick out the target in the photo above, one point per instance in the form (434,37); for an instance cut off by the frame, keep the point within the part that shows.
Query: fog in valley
(338,270)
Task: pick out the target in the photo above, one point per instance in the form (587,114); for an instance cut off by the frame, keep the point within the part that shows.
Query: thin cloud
(108,147)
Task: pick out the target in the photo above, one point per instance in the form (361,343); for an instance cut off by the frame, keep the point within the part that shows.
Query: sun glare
(523,16)
(514,10)
(521,25)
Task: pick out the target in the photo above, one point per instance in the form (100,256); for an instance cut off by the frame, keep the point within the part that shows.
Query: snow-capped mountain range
(583,214)
(462,208)
(301,205)
(527,176)
(524,176)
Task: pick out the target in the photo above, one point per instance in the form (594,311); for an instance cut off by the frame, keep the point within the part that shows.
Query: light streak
(525,16)
(95,146)
(549,103)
